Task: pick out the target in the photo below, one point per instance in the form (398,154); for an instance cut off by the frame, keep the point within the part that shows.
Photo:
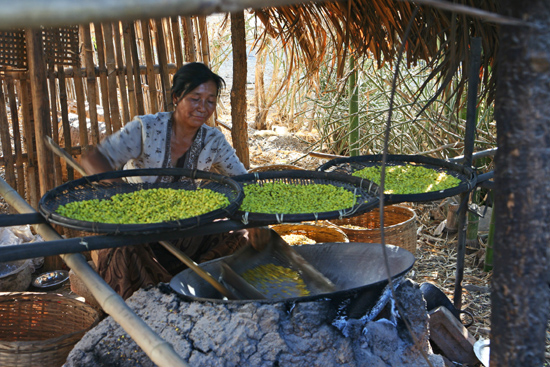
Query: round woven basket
(40,329)
(319,234)
(399,227)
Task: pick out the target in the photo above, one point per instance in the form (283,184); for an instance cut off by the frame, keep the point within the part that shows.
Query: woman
(166,139)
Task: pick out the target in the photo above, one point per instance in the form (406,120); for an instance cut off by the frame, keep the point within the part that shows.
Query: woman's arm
(94,162)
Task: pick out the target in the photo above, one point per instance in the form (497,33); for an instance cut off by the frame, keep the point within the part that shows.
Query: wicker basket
(40,329)
(319,234)
(399,227)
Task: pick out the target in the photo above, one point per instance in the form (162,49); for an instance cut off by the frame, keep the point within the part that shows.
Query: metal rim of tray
(90,187)
(466,175)
(366,190)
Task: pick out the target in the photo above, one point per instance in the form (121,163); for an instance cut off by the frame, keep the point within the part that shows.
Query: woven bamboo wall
(98,77)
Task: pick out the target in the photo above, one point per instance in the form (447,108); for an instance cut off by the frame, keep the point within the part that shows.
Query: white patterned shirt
(145,143)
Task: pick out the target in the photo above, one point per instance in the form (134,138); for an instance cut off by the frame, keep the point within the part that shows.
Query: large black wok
(357,269)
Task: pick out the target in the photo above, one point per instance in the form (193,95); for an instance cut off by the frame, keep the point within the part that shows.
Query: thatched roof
(377,28)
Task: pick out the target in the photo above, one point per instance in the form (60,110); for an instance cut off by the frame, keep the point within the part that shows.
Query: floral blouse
(145,143)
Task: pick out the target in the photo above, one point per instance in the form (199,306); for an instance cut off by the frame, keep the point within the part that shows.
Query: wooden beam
(56,13)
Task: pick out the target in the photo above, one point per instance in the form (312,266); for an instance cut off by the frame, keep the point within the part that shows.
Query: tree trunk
(520,296)
(239,131)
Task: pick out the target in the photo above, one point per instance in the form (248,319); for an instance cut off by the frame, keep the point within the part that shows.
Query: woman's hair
(191,75)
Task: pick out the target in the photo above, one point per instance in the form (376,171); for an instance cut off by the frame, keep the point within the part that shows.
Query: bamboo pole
(149,62)
(120,73)
(26,112)
(130,68)
(167,26)
(160,352)
(137,73)
(91,81)
(58,175)
(65,116)
(111,76)
(19,168)
(189,39)
(176,35)
(203,40)
(163,62)
(41,111)
(6,140)
(103,77)
(81,108)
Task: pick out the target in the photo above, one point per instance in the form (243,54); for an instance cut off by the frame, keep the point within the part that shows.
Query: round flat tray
(90,187)
(366,190)
(466,175)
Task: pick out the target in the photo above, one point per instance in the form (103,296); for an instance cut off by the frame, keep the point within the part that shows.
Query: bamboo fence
(81,83)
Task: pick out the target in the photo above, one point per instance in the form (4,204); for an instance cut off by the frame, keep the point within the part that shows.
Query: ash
(259,334)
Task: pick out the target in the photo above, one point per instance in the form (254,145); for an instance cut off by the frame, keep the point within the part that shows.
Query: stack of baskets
(399,227)
(40,329)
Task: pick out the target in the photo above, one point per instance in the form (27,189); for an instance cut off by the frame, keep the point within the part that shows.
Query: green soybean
(283,198)
(409,179)
(145,206)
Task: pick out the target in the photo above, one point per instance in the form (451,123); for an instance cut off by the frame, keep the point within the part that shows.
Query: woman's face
(195,108)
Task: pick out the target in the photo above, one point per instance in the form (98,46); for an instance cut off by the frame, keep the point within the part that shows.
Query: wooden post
(111,76)
(42,124)
(28,131)
(520,297)
(103,77)
(163,65)
(189,39)
(239,131)
(121,74)
(150,63)
(91,81)
(41,111)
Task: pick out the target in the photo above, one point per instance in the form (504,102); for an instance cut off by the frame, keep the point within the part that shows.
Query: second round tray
(93,187)
(366,191)
(466,175)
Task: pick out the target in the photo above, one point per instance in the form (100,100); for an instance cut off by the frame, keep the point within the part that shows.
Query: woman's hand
(259,237)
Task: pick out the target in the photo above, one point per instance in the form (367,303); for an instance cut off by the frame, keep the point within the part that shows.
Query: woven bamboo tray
(40,329)
(399,227)
(320,234)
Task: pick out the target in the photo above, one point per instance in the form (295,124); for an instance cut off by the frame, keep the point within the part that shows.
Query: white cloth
(145,143)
